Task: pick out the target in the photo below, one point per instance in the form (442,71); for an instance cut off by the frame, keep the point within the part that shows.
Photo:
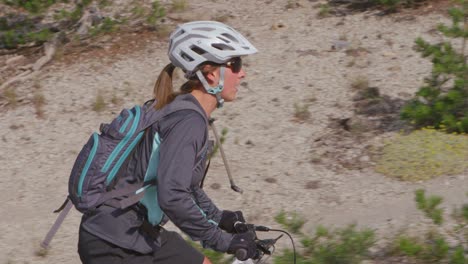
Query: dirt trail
(270,153)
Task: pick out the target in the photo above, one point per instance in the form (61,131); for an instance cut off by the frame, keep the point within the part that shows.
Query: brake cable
(267,229)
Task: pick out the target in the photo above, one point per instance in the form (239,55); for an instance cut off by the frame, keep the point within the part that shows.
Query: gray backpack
(97,166)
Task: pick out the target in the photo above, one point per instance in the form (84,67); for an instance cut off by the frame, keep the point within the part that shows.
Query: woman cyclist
(174,152)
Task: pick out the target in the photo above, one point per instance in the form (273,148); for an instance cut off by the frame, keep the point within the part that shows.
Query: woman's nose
(242,73)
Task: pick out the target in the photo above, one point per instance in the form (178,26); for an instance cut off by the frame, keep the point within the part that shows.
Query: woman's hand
(243,246)
(229,218)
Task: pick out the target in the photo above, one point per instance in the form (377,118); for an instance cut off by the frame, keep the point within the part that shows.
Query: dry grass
(179,5)
(360,83)
(39,102)
(163,31)
(424,154)
(11,97)
(223,18)
(301,112)
(41,252)
(116,100)
(99,103)
(324,11)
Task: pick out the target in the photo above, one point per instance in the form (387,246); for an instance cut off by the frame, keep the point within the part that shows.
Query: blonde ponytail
(163,91)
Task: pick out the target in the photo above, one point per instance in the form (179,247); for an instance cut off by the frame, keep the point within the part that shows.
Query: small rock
(364,159)
(341,23)
(340,44)
(389,54)
(105,39)
(277,26)
(405,95)
(312,185)
(215,186)
(271,180)
(307,52)
(15,127)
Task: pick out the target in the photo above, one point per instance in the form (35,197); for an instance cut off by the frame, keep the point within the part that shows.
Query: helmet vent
(197,50)
(230,37)
(221,46)
(224,39)
(179,33)
(204,29)
(186,57)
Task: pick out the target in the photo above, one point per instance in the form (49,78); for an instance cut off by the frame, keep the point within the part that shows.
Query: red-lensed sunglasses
(235,64)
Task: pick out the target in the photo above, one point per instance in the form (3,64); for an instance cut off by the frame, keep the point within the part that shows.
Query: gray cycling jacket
(180,170)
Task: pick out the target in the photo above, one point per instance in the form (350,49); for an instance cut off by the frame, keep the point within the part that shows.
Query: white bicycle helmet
(193,43)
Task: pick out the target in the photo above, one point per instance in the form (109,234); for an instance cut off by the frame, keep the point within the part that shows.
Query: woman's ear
(212,77)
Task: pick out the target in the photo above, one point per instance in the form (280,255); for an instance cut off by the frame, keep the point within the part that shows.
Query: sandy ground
(295,65)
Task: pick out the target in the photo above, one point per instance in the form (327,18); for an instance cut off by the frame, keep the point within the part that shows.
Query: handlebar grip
(241,254)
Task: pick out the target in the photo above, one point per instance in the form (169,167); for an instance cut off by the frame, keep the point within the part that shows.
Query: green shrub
(32,6)
(436,104)
(324,10)
(12,39)
(458,256)
(390,4)
(107,25)
(429,206)
(138,11)
(340,246)
(213,256)
(293,222)
(409,246)
(422,155)
(351,246)
(433,247)
(72,16)
(157,12)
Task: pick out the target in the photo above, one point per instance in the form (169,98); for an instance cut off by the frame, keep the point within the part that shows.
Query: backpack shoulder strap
(178,104)
(153,116)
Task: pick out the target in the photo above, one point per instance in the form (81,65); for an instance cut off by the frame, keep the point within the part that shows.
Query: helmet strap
(216,90)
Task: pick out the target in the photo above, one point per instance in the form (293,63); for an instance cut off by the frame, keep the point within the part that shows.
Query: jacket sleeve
(205,203)
(179,147)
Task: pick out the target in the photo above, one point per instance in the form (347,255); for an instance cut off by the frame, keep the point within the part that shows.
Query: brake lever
(266,244)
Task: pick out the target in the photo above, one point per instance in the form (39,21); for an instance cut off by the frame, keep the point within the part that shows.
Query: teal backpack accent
(150,198)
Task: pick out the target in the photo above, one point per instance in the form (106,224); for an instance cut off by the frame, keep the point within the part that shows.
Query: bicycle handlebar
(263,245)
(241,254)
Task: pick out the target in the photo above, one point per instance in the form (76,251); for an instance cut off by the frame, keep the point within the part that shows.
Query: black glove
(229,218)
(244,245)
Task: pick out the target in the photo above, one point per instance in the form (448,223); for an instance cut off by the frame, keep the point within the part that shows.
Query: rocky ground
(314,162)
